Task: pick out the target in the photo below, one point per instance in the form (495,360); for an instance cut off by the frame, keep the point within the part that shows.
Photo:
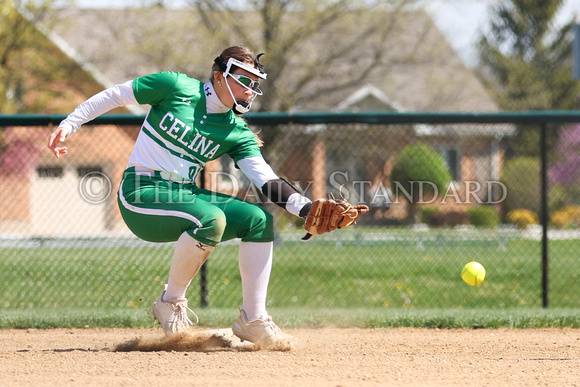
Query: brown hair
(241,53)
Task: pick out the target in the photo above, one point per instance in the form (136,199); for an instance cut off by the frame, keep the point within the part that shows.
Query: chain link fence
(441,195)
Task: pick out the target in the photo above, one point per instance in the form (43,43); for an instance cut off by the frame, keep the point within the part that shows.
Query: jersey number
(193,171)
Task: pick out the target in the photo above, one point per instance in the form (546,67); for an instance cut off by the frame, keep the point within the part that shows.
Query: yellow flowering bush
(522,218)
(566,217)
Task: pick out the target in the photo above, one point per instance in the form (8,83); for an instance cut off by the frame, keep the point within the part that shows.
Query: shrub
(438,219)
(483,216)
(455,218)
(557,197)
(566,217)
(521,177)
(427,214)
(415,164)
(522,218)
(434,216)
(564,170)
(574,213)
(418,162)
(560,219)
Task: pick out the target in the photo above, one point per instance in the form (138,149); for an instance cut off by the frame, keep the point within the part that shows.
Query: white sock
(255,260)
(188,257)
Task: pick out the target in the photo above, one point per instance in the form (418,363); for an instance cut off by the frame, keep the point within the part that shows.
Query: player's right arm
(100,103)
(278,190)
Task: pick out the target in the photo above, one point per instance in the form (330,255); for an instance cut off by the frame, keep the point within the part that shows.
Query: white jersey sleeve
(100,103)
(257,170)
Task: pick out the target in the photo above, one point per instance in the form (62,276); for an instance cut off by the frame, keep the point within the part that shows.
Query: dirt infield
(319,357)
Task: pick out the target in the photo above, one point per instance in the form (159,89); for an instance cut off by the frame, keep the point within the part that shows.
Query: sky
(461,21)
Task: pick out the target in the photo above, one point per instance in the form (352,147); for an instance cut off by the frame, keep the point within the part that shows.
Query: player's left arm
(278,190)
(100,103)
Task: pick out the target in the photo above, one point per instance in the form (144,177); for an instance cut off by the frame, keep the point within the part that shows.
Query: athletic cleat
(262,332)
(172,315)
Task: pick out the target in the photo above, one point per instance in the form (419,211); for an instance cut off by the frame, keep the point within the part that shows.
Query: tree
(419,171)
(527,65)
(32,73)
(564,174)
(29,63)
(15,35)
(322,39)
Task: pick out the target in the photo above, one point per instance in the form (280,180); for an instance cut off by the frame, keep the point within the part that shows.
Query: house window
(451,157)
(83,171)
(50,172)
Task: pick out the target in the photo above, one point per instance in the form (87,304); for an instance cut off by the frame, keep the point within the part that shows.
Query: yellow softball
(473,273)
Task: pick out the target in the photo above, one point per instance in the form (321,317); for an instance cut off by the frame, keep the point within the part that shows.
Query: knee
(216,225)
(211,227)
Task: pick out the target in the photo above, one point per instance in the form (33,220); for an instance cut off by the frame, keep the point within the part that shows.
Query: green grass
(385,278)
(305,318)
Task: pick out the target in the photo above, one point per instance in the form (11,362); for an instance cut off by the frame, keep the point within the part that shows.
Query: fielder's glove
(327,215)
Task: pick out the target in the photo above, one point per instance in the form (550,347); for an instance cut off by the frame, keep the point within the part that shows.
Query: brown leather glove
(329,214)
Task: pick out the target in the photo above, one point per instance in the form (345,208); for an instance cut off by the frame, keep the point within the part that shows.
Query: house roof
(80,60)
(370,98)
(421,72)
(365,98)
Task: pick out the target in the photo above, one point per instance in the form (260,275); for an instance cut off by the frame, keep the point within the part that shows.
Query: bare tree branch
(305,38)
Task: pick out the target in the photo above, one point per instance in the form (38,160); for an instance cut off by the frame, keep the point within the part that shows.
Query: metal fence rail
(63,243)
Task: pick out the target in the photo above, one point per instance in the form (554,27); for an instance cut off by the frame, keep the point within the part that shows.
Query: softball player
(189,124)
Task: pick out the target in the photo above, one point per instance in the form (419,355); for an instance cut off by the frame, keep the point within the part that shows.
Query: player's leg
(255,262)
(161,211)
(255,227)
(188,257)
(171,308)
(254,323)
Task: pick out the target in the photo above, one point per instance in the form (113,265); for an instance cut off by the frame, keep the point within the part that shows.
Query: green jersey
(178,135)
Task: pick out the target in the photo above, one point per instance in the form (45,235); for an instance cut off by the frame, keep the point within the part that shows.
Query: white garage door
(68,201)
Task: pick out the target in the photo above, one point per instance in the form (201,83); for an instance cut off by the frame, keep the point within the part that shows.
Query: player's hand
(59,135)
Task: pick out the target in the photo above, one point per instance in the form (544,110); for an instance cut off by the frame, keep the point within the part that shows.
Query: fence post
(544,214)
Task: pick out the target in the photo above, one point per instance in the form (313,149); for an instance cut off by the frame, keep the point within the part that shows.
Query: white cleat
(172,315)
(262,332)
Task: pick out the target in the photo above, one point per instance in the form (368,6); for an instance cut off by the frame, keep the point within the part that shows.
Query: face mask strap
(240,106)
